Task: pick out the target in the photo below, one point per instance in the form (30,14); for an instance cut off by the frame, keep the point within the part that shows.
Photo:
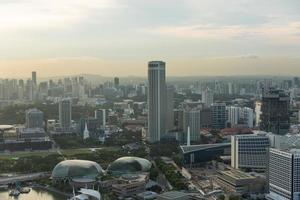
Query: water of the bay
(35,194)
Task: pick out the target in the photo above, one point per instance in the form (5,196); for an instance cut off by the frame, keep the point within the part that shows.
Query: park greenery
(173,176)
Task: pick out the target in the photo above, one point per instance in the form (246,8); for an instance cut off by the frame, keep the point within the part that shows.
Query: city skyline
(119,37)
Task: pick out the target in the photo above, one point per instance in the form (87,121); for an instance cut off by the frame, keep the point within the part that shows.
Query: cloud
(287,32)
(45,14)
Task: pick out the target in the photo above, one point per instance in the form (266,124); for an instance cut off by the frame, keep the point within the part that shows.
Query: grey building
(218,115)
(100,114)
(284,174)
(191,118)
(34,118)
(65,113)
(170,108)
(33,78)
(156,100)
(275,112)
(250,151)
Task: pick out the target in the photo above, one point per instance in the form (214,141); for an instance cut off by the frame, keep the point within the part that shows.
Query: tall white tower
(156,100)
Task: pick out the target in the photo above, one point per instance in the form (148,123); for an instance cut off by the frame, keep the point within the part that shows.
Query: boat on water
(14,193)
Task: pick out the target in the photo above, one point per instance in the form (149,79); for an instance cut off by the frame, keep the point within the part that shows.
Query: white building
(249,151)
(284,175)
(156,100)
(240,116)
(207,97)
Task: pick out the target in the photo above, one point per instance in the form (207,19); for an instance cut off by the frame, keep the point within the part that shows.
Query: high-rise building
(275,112)
(233,115)
(249,151)
(240,116)
(65,113)
(191,120)
(170,109)
(34,118)
(116,82)
(207,97)
(156,100)
(33,78)
(218,115)
(284,174)
(100,114)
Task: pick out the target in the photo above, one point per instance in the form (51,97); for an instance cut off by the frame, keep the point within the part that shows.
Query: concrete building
(207,97)
(100,114)
(65,113)
(275,112)
(218,115)
(170,108)
(191,119)
(34,118)
(33,78)
(250,151)
(238,182)
(284,174)
(173,195)
(240,116)
(156,100)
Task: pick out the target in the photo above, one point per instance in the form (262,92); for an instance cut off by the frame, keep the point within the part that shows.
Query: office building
(65,113)
(34,118)
(191,119)
(116,82)
(33,78)
(284,174)
(170,109)
(207,97)
(156,100)
(250,151)
(240,116)
(275,112)
(218,115)
(100,114)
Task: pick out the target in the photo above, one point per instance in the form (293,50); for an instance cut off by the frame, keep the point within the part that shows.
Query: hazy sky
(118,37)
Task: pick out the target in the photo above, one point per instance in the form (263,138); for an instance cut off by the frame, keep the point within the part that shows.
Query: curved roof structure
(129,165)
(5,127)
(77,169)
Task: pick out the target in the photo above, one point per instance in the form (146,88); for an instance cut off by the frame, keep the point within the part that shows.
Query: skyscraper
(34,118)
(65,113)
(207,97)
(218,115)
(116,82)
(100,114)
(33,78)
(284,174)
(156,100)
(170,108)
(191,120)
(275,112)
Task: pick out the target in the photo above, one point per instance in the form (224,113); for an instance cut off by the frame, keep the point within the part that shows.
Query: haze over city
(119,37)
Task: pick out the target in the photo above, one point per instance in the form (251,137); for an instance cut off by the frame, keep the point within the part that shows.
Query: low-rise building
(173,195)
(238,182)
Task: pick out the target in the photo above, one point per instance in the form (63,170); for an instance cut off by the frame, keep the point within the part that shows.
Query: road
(22,178)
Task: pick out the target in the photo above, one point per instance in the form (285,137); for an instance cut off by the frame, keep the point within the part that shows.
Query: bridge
(23,178)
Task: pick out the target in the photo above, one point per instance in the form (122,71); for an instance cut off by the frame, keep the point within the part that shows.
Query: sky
(119,37)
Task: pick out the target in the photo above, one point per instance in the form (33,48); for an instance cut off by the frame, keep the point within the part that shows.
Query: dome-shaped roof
(129,165)
(76,169)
